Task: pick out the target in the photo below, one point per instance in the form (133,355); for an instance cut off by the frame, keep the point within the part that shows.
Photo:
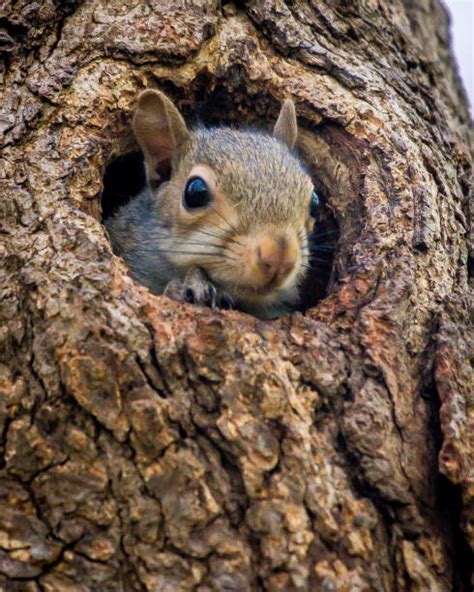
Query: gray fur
(136,234)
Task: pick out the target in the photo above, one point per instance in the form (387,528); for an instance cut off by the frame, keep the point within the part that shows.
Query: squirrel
(231,226)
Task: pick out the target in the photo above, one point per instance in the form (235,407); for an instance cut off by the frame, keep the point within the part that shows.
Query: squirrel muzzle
(269,260)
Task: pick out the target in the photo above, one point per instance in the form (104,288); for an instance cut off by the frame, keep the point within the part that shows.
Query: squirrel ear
(159,128)
(286,127)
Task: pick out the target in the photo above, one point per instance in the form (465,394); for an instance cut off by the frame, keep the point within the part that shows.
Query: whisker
(185,241)
(205,254)
(226,221)
(326,246)
(328,251)
(222,265)
(200,231)
(321,241)
(228,258)
(321,260)
(321,238)
(224,237)
(310,252)
(194,242)
(166,233)
(219,237)
(316,233)
(315,249)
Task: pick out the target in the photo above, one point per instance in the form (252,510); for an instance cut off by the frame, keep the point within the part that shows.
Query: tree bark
(149,445)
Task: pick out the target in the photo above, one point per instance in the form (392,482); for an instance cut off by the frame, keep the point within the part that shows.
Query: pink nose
(275,258)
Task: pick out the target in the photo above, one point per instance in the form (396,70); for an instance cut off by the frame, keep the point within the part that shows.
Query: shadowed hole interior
(124,178)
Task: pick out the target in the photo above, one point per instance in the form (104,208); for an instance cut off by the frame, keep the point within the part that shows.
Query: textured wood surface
(155,446)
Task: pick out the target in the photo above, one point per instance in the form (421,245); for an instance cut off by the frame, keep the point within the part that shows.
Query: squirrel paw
(197,289)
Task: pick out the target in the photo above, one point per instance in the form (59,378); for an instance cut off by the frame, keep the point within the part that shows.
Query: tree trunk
(155,446)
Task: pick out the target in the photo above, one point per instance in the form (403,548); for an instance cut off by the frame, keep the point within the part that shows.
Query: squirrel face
(237,204)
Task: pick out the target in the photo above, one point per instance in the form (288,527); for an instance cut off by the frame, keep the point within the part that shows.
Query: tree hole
(325,149)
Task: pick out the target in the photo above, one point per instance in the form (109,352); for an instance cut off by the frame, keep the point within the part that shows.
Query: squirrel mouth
(265,290)
(272,286)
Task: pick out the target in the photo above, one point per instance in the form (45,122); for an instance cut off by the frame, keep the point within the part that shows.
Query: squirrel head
(237,204)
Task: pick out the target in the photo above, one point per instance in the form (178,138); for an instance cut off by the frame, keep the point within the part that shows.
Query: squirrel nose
(275,259)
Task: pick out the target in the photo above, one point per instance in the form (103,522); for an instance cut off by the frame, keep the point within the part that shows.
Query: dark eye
(314,205)
(196,195)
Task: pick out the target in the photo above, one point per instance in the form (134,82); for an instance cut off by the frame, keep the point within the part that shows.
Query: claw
(197,289)
(189,296)
(211,296)
(226,302)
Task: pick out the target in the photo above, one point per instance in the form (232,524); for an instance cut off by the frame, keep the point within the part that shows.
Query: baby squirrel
(231,225)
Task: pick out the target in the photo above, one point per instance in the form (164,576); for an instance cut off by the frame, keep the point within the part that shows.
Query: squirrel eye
(196,195)
(314,205)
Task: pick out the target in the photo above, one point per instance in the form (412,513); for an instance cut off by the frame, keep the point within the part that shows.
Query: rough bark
(149,445)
